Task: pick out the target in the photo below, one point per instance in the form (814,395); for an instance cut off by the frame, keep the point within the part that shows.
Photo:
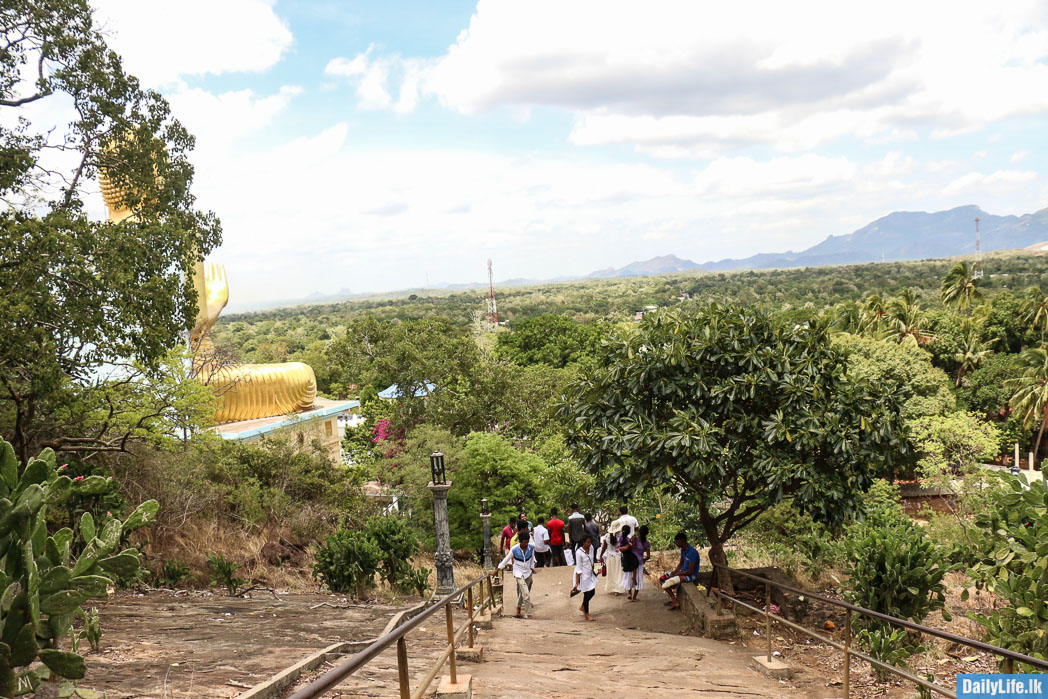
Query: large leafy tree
(550,339)
(81,295)
(737,411)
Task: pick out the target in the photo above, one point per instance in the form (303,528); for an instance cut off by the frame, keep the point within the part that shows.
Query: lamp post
(485,517)
(443,558)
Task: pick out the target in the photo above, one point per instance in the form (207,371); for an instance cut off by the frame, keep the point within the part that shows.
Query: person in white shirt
(584,579)
(626,518)
(522,555)
(543,554)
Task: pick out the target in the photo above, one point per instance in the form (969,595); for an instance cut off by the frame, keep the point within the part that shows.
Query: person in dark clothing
(593,529)
(576,528)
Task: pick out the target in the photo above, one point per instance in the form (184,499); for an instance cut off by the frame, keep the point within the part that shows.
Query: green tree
(738,411)
(1006,321)
(960,287)
(986,390)
(1036,306)
(973,352)
(951,445)
(492,468)
(1030,392)
(550,339)
(900,368)
(79,294)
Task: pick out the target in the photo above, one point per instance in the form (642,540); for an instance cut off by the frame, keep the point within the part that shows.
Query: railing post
(402,668)
(767,616)
(847,656)
(451,642)
(469,603)
(1009,666)
(491,593)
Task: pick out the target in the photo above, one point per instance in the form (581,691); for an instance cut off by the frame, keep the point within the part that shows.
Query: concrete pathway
(632,650)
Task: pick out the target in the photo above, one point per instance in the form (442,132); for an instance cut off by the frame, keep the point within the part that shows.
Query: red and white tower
(493,310)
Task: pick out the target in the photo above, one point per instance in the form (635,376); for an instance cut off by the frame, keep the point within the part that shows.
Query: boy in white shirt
(523,558)
(543,557)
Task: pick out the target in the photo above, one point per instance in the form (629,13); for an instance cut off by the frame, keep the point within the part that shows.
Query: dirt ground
(199,644)
(819,665)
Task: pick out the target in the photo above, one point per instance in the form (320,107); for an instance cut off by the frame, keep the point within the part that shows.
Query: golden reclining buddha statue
(246,391)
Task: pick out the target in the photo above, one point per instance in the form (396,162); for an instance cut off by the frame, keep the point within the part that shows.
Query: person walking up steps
(585,580)
(593,529)
(555,526)
(543,557)
(522,556)
(508,532)
(642,550)
(576,528)
(629,560)
(612,559)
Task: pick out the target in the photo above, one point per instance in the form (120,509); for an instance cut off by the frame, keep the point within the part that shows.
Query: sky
(374,146)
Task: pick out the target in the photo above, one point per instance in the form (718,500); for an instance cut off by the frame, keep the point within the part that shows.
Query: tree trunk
(1040,433)
(717,557)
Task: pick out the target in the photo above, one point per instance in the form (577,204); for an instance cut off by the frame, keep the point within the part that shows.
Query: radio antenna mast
(978,272)
(493,311)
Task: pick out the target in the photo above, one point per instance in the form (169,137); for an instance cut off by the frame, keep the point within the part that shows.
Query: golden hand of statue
(212,298)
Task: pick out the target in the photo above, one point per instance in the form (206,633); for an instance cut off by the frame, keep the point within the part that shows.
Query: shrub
(172,574)
(347,562)
(223,572)
(397,544)
(894,569)
(1012,562)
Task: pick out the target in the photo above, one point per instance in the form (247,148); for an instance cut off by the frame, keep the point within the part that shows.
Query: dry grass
(192,542)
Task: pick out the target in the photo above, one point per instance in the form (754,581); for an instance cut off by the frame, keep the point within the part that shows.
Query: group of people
(619,555)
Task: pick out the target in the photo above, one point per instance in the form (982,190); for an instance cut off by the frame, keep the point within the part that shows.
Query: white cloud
(219,120)
(1019,156)
(372,77)
(980,184)
(161,41)
(680,78)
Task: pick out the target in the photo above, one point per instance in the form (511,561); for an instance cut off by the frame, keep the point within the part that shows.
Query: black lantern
(436,467)
(484,506)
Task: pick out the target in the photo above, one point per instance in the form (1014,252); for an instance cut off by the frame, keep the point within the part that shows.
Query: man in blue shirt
(687,571)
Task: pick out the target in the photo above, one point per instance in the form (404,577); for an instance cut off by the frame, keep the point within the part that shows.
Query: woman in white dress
(585,580)
(609,556)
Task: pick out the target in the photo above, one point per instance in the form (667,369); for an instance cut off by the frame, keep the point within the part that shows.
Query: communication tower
(493,311)
(978,272)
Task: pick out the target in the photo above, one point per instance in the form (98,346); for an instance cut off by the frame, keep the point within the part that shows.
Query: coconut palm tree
(961,287)
(1030,391)
(1037,309)
(905,319)
(873,310)
(847,317)
(973,352)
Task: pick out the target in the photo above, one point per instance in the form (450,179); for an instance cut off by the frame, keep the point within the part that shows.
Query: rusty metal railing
(1010,657)
(357,661)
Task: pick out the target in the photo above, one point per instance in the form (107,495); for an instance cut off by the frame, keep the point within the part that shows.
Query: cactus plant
(42,585)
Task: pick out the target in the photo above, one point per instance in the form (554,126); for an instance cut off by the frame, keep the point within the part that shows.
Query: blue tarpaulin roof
(395,392)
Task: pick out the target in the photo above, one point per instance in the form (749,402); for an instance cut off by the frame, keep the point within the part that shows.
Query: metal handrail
(1009,656)
(358,660)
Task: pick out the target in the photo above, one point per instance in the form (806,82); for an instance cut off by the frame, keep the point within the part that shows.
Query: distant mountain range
(903,235)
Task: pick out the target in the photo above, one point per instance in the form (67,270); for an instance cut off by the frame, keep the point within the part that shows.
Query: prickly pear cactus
(41,585)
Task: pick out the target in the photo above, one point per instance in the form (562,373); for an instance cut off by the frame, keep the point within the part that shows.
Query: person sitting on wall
(686,571)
